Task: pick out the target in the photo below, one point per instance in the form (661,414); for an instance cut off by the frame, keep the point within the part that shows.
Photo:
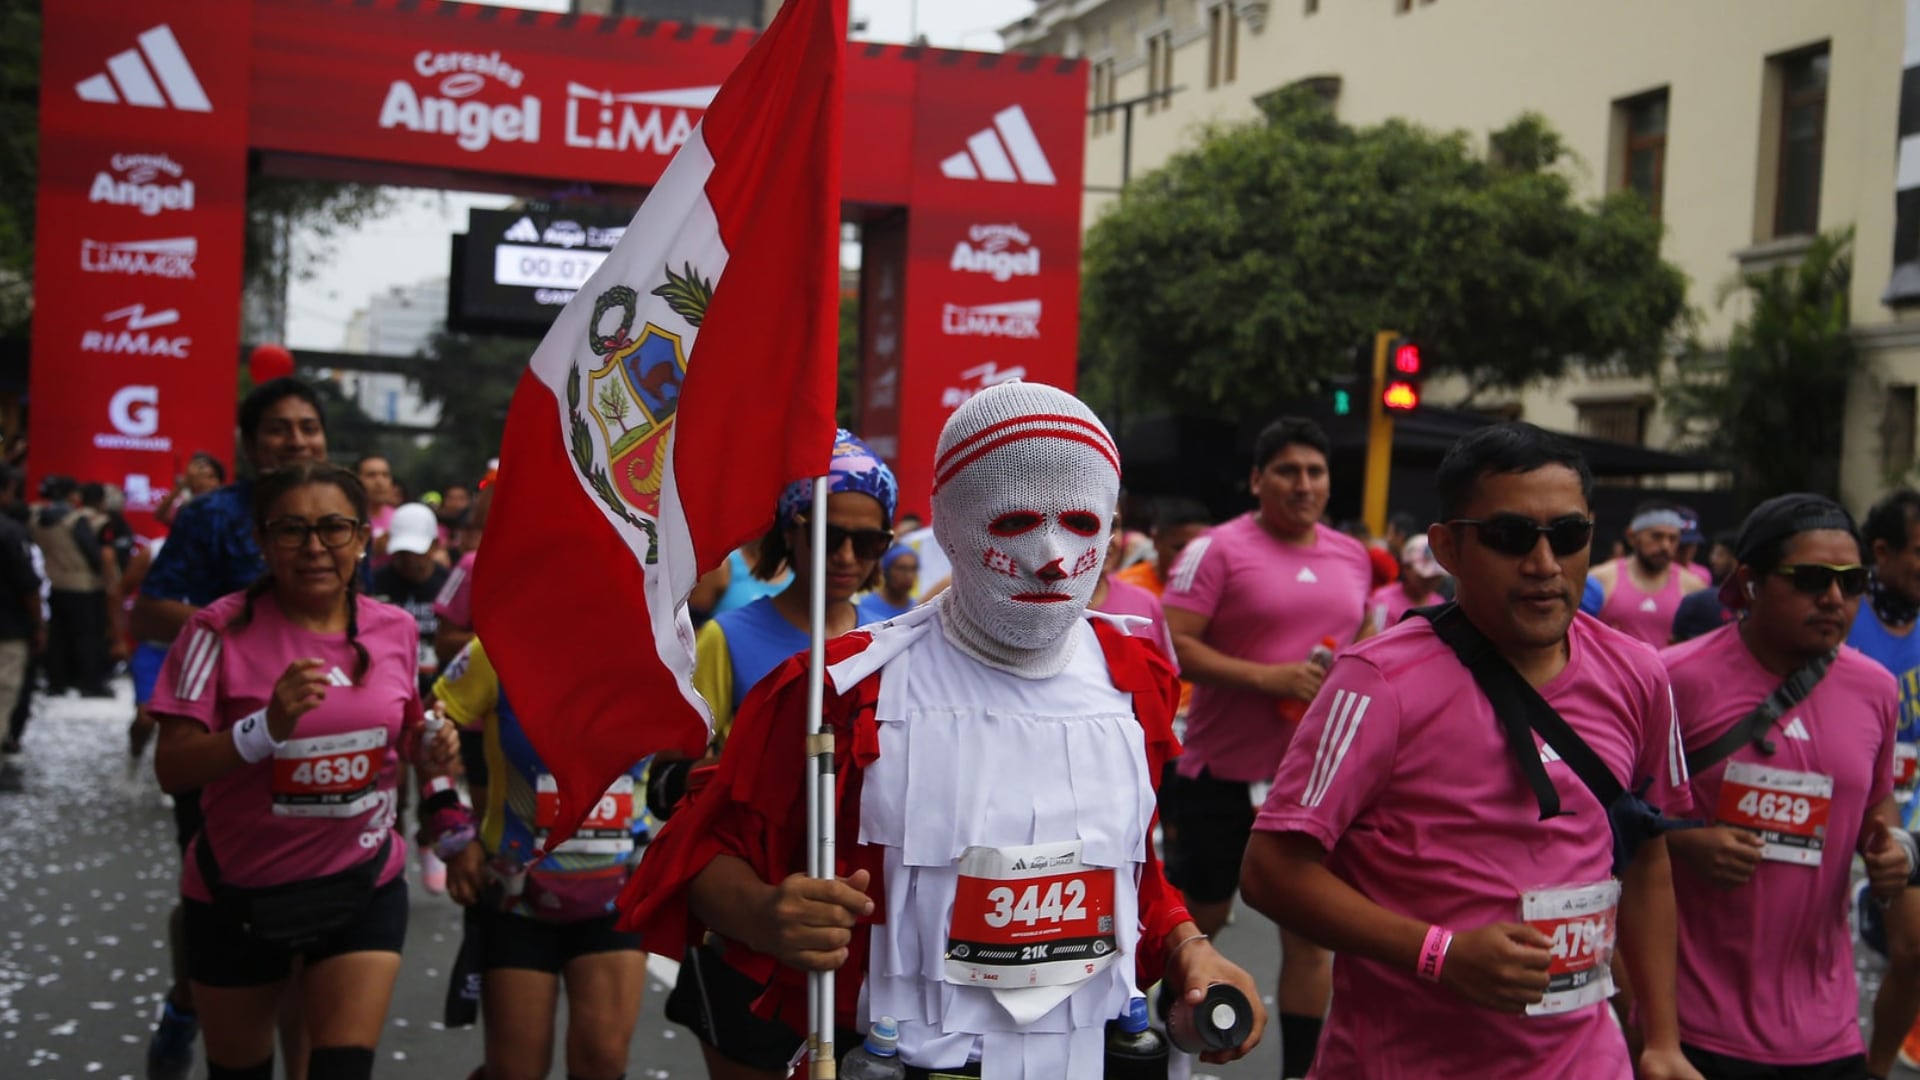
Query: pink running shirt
(381,524)
(1410,787)
(1270,602)
(1390,602)
(216,677)
(1766,970)
(454,605)
(1637,613)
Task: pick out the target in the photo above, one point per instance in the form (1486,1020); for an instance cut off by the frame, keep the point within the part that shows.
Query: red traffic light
(1406,359)
(1400,396)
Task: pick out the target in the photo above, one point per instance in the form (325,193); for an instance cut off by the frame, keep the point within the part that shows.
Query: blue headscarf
(893,556)
(856,468)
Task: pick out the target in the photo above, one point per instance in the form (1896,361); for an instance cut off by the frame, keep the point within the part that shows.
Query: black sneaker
(170,1053)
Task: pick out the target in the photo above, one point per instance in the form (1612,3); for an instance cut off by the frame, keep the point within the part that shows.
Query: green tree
(19,157)
(1774,400)
(1246,270)
(472,378)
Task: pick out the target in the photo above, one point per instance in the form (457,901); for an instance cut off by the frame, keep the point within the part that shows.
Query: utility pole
(1125,108)
(1373,501)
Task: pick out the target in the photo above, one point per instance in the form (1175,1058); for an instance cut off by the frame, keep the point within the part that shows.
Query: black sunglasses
(1516,536)
(290,534)
(1815,579)
(867,543)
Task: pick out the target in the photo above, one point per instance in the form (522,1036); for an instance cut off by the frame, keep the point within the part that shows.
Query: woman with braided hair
(289,705)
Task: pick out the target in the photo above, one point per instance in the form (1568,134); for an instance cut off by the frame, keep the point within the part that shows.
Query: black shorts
(1721,1067)
(186,818)
(1207,825)
(220,953)
(714,1001)
(507,940)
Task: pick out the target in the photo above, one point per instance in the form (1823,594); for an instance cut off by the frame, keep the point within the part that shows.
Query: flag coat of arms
(675,397)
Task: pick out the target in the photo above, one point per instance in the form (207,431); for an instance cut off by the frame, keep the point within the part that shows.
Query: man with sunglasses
(1640,594)
(1883,630)
(1247,604)
(1405,832)
(1790,735)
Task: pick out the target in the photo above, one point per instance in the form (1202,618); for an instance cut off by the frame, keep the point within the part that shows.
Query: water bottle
(1221,1021)
(1134,1050)
(879,1057)
(1293,710)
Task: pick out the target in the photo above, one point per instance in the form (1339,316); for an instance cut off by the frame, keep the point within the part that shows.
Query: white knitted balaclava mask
(1025,481)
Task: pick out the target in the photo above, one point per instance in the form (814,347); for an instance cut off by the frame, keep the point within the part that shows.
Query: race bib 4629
(1788,809)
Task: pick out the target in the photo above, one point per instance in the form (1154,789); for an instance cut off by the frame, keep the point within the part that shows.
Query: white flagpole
(820,778)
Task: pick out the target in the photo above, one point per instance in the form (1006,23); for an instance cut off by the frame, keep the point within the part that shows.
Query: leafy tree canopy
(1249,268)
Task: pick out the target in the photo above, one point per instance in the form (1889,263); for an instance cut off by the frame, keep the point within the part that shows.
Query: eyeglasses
(867,543)
(1516,536)
(290,534)
(1815,579)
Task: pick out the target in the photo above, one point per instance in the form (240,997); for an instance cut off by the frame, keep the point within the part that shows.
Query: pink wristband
(1433,952)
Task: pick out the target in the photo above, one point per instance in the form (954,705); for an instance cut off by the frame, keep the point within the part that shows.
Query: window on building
(1620,421)
(1897,432)
(1313,7)
(1644,157)
(1401,7)
(1102,78)
(1803,136)
(1159,69)
(1223,44)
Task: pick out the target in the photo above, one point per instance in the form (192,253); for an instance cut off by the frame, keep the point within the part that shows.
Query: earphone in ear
(1751,590)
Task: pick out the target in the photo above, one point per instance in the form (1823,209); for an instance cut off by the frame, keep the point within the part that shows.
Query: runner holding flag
(631,461)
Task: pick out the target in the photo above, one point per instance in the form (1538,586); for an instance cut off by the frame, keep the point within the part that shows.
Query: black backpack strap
(1754,726)
(1522,710)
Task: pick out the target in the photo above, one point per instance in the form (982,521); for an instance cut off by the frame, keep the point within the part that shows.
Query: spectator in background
(899,570)
(453,608)
(204,474)
(82,568)
(1176,522)
(1704,612)
(455,501)
(1420,578)
(1639,596)
(376,475)
(1401,527)
(411,581)
(23,632)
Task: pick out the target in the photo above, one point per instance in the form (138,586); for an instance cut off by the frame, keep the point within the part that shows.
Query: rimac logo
(1006,153)
(131,79)
(979,378)
(1014,319)
(655,121)
(473,124)
(134,412)
(135,336)
(152,182)
(170,258)
(1003,251)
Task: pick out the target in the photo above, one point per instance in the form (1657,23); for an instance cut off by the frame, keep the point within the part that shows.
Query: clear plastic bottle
(1134,1050)
(878,1058)
(1293,710)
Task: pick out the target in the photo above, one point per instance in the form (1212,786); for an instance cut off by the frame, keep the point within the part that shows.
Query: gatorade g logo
(135,410)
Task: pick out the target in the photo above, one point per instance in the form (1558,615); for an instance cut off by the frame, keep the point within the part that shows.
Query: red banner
(143,152)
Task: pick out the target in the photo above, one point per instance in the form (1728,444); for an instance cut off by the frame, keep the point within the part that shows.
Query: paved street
(88,872)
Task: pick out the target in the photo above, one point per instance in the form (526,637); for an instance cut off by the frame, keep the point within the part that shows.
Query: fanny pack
(1522,711)
(574,895)
(297,912)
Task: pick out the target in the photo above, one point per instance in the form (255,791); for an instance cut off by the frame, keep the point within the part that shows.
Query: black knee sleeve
(340,1063)
(262,1071)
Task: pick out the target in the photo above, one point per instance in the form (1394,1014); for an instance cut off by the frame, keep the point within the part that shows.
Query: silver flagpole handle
(819,768)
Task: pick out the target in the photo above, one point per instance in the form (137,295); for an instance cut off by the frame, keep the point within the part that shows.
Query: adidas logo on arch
(1005,153)
(130,77)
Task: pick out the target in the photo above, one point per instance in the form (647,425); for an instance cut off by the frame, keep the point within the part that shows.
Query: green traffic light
(1342,403)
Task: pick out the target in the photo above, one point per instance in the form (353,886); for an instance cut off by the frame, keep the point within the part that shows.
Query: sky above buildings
(412,244)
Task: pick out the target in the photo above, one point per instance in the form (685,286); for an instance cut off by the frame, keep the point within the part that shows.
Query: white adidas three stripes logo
(1343,723)
(196,671)
(130,79)
(1006,153)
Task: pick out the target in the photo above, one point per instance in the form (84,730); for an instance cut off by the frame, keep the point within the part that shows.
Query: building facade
(1749,125)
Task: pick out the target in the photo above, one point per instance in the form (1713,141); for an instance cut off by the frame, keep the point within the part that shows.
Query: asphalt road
(89,871)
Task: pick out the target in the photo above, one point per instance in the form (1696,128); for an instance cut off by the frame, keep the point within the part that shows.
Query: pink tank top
(1645,615)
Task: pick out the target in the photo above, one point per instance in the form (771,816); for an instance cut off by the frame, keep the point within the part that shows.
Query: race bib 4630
(1580,920)
(333,776)
(1788,809)
(1030,916)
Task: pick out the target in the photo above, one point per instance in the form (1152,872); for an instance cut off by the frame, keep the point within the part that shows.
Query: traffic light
(1400,391)
(1342,401)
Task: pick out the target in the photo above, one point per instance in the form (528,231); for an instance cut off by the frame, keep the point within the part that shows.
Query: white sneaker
(433,872)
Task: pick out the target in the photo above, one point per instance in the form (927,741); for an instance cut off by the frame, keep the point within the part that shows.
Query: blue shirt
(743,588)
(874,608)
(209,551)
(1901,656)
(759,639)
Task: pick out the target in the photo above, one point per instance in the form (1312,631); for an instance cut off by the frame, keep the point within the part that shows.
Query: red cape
(753,806)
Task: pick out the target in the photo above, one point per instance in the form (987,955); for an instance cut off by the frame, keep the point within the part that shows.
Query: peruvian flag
(675,397)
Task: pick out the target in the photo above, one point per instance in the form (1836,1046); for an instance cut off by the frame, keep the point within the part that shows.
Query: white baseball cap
(414,528)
